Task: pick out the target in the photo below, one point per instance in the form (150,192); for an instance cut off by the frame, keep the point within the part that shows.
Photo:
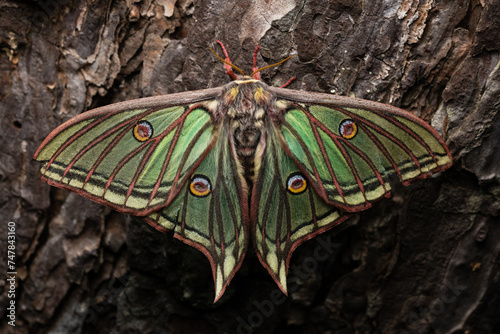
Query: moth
(244,162)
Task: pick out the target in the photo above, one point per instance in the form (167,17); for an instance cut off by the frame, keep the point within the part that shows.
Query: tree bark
(424,261)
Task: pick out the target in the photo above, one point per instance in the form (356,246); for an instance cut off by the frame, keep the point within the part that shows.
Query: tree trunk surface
(425,260)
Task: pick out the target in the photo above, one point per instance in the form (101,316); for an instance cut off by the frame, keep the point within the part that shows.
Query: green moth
(224,166)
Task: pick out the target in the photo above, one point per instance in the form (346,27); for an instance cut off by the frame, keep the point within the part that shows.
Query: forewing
(133,156)
(216,222)
(349,148)
(282,219)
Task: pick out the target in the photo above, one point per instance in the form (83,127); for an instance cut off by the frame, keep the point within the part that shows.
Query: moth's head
(255,75)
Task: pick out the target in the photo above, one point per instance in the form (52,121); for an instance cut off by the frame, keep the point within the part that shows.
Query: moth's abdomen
(246,140)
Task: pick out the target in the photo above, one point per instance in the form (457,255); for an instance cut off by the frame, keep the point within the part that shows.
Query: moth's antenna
(228,63)
(268,66)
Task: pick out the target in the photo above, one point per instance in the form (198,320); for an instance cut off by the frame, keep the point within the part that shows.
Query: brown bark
(424,261)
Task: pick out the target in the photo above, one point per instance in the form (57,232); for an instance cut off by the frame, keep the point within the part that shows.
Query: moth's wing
(282,219)
(215,222)
(349,148)
(134,156)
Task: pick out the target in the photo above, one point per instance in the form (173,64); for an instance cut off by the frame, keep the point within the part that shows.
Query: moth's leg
(229,69)
(256,76)
(288,82)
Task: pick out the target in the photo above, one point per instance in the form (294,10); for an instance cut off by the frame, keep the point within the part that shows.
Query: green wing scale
(211,212)
(341,158)
(222,166)
(133,160)
(286,210)
(350,152)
